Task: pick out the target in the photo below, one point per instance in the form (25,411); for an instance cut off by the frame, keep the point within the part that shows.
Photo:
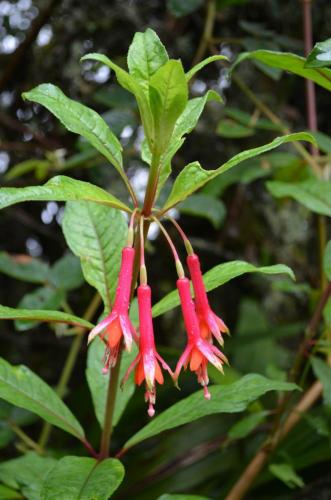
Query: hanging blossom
(209,322)
(198,351)
(117,325)
(146,363)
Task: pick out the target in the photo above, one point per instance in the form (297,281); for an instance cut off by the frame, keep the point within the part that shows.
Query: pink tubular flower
(208,321)
(198,351)
(118,323)
(146,362)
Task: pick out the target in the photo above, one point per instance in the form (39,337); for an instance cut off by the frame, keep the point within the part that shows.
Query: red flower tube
(198,351)
(208,321)
(118,324)
(146,362)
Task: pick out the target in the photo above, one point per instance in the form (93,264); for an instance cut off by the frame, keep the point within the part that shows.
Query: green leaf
(323,141)
(232,398)
(43,315)
(66,273)
(288,62)
(232,130)
(79,119)
(24,267)
(128,82)
(9,494)
(42,298)
(246,425)
(145,56)
(183,126)
(193,176)
(327,260)
(60,188)
(98,243)
(168,94)
(202,205)
(26,473)
(323,373)
(314,194)
(179,8)
(34,164)
(219,275)
(287,474)
(98,383)
(204,63)
(250,121)
(82,478)
(320,56)
(23,388)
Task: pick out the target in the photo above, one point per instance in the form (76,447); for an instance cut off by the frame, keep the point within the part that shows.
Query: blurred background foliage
(233,217)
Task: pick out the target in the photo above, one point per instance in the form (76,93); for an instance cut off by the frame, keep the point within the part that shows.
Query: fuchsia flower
(208,321)
(198,351)
(146,362)
(118,324)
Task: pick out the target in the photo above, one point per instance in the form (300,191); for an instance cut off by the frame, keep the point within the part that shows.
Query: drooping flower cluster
(201,323)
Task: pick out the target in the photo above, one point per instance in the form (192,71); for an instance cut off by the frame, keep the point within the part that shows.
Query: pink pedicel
(118,324)
(198,351)
(146,363)
(209,322)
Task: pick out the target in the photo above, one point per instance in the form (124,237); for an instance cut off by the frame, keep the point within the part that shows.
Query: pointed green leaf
(286,473)
(60,188)
(66,273)
(327,260)
(320,56)
(98,383)
(183,126)
(204,63)
(323,373)
(231,398)
(98,243)
(168,95)
(9,494)
(26,473)
(179,8)
(128,82)
(288,62)
(219,275)
(79,119)
(231,129)
(45,297)
(82,478)
(314,194)
(246,425)
(193,176)
(24,267)
(202,205)
(43,316)
(23,388)
(145,56)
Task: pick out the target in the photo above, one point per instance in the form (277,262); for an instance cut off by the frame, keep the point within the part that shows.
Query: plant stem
(25,438)
(115,371)
(69,365)
(275,119)
(256,465)
(312,124)
(207,32)
(151,185)
(114,374)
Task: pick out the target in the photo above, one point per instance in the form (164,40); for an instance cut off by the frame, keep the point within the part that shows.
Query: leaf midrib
(81,438)
(103,258)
